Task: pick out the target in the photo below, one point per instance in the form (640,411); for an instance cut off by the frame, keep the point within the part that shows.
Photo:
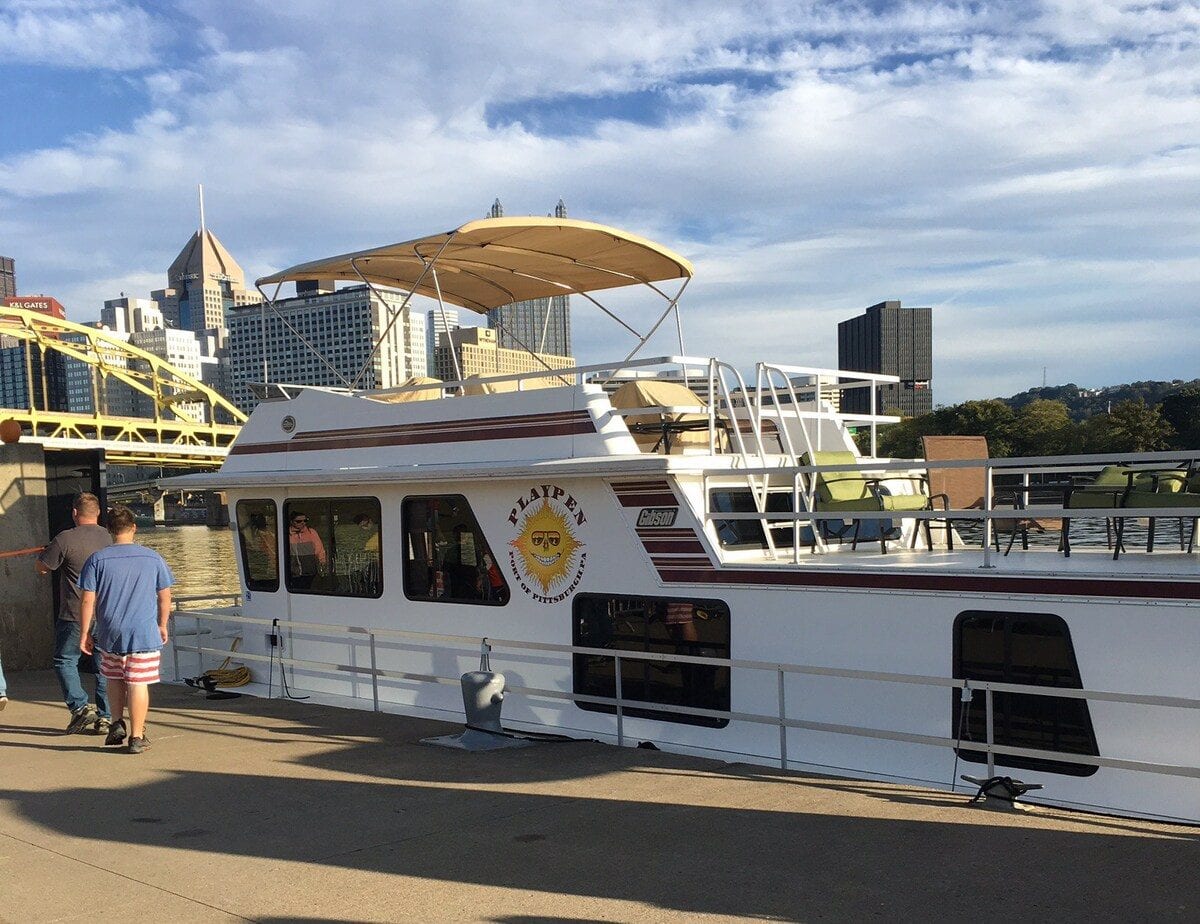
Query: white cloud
(91,34)
(1008,167)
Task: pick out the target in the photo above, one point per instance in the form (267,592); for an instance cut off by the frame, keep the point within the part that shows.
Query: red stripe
(648,500)
(530,426)
(681,573)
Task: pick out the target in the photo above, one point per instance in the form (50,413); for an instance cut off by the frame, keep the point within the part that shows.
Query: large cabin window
(333,546)
(258,534)
(748,534)
(1026,648)
(664,625)
(447,559)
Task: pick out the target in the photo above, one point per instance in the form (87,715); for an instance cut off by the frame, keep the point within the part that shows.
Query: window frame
(721,676)
(331,551)
(1004,713)
(481,544)
(267,587)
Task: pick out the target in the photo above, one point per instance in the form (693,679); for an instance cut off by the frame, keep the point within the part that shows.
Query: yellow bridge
(192,426)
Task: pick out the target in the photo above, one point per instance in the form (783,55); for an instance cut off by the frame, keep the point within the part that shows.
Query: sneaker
(137,745)
(3,702)
(80,719)
(116,733)
(103,724)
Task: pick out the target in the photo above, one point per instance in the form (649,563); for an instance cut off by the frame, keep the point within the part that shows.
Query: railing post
(991,733)
(620,707)
(374,674)
(783,757)
(199,653)
(987,518)
(174,642)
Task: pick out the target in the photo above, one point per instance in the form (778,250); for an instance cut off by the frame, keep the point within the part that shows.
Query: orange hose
(14,554)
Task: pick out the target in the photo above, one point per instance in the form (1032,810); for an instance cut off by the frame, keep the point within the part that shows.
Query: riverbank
(251,809)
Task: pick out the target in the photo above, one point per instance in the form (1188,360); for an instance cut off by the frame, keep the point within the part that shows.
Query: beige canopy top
(495,261)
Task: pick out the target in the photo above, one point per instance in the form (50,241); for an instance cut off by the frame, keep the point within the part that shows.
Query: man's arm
(50,558)
(87,609)
(164,612)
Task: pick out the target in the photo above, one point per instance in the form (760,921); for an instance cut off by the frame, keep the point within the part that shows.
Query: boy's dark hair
(120,520)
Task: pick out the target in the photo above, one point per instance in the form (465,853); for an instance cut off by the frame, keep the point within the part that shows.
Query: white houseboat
(705,560)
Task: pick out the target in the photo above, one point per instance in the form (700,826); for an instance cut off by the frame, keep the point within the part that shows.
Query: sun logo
(547,546)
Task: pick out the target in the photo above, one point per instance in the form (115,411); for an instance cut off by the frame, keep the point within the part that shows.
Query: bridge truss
(187,424)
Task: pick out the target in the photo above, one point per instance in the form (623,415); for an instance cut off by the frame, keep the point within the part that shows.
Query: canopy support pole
(428,264)
(312,349)
(442,308)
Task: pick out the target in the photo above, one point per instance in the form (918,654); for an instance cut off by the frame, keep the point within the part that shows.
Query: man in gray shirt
(67,554)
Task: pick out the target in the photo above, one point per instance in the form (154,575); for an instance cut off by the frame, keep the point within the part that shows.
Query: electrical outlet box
(274,640)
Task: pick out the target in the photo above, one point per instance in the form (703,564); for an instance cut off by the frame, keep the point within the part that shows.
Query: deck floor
(262,810)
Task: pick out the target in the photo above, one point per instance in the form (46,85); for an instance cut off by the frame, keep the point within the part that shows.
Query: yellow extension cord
(226,676)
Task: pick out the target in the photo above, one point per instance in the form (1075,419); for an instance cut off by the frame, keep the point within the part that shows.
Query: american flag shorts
(138,667)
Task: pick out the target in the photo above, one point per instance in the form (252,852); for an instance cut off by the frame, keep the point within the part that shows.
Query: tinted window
(447,559)
(1026,648)
(664,625)
(258,538)
(333,546)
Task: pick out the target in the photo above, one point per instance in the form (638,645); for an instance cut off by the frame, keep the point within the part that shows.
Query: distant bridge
(192,426)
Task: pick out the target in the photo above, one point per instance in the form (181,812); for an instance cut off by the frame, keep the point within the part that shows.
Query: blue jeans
(67,660)
(3,685)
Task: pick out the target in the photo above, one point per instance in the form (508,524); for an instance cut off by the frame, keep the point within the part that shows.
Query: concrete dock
(260,810)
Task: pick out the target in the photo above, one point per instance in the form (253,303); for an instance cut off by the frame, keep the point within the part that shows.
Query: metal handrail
(621,703)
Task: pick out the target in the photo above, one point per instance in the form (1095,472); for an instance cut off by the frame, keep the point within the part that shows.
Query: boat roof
(495,261)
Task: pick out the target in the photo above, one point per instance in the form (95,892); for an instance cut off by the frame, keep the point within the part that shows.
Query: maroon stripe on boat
(656,484)
(1062,587)
(669,532)
(674,545)
(648,500)
(410,435)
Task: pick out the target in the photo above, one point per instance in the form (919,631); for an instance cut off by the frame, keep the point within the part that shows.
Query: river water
(201,558)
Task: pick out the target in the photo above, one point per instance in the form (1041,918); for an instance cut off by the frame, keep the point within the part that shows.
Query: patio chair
(852,491)
(1154,489)
(1105,490)
(966,488)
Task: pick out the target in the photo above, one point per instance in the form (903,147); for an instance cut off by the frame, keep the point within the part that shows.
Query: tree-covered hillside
(1139,417)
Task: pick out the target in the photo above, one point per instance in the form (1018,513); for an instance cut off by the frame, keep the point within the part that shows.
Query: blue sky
(1031,170)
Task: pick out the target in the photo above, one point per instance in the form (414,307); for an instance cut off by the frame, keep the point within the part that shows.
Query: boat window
(446,558)
(748,534)
(1026,648)
(258,533)
(664,625)
(333,546)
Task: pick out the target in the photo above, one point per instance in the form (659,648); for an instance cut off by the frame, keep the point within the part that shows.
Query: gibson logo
(547,558)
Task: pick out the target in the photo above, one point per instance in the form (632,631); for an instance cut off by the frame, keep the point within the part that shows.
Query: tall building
(8,277)
(342,327)
(890,340)
(480,354)
(126,315)
(27,372)
(181,349)
(542,325)
(203,283)
(438,322)
(88,387)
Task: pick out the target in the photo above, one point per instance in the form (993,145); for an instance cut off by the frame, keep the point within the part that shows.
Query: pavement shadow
(697,859)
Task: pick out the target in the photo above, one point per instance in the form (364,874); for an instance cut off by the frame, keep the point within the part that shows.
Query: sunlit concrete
(271,811)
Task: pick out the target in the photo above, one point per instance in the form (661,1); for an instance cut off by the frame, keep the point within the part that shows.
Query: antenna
(200,188)
(1043,376)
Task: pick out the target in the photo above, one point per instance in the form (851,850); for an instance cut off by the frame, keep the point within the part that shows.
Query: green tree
(991,418)
(1044,428)
(1181,409)
(1134,426)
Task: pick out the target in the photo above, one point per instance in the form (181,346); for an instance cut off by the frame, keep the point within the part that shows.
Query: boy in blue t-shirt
(127,588)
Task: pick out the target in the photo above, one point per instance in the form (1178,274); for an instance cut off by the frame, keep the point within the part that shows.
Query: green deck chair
(1171,488)
(1105,490)
(837,492)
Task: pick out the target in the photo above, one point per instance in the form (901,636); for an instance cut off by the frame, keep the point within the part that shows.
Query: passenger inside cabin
(306,552)
(259,540)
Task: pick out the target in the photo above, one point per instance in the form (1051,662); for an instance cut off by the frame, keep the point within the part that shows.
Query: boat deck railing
(1012,488)
(788,713)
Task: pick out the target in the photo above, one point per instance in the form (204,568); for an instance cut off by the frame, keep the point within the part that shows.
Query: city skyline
(1028,170)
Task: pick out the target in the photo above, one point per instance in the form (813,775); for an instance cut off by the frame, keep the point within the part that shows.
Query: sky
(1031,170)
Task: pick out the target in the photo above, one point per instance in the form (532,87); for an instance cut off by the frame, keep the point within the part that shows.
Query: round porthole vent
(288,423)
